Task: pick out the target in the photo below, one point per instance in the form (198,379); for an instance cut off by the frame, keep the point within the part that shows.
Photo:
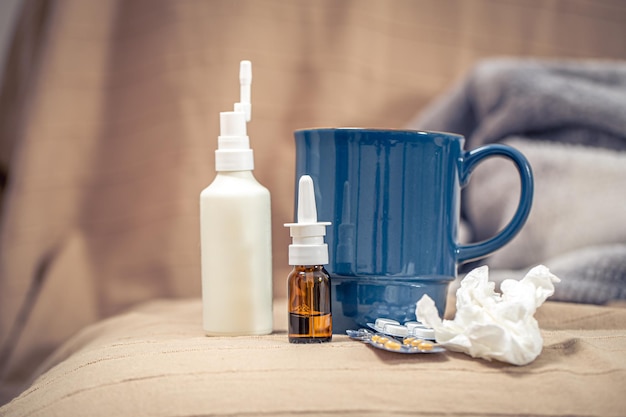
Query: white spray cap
(308,247)
(233,145)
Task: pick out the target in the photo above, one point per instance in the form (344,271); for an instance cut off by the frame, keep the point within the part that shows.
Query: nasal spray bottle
(235,228)
(308,285)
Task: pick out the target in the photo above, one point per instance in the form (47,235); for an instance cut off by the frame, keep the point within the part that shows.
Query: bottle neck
(309,268)
(236,174)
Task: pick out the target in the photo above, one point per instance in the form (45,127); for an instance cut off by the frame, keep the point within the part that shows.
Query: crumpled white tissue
(489,325)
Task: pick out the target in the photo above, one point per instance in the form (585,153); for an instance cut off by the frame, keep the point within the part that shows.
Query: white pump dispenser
(308,247)
(233,145)
(235,229)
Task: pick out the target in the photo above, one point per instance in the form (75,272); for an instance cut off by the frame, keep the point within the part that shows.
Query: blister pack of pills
(394,337)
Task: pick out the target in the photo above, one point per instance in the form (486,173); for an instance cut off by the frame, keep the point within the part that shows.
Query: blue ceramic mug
(393,199)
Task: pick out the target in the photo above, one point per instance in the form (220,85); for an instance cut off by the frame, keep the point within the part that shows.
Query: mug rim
(377,130)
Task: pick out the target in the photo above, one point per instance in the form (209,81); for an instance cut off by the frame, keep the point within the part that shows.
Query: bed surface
(155,360)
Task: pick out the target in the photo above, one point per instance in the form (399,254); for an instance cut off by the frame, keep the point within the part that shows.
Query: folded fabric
(576,102)
(569,119)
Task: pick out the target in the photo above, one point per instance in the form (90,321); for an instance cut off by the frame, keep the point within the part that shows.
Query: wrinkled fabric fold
(568,117)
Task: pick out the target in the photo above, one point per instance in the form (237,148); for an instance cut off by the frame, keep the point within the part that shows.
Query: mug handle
(474,251)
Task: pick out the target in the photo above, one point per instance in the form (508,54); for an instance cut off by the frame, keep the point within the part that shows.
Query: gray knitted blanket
(569,119)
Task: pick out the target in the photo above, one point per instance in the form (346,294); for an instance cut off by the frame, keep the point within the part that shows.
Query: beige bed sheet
(155,360)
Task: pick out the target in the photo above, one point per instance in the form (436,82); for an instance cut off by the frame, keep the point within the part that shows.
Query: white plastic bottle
(236,243)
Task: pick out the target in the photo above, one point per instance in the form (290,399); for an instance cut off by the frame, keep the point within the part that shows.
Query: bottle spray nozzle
(233,145)
(307,209)
(308,247)
(245,81)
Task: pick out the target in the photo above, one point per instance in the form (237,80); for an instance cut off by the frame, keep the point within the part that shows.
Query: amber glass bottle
(308,285)
(310,316)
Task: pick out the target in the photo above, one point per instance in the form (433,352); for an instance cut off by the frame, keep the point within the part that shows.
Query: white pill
(396,330)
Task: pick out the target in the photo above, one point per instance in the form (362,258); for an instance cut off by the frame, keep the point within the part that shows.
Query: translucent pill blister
(408,329)
(409,344)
